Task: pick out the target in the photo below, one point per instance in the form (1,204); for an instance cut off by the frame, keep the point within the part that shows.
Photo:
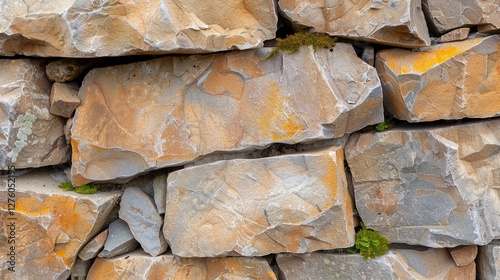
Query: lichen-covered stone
(173,110)
(253,207)
(396,23)
(30,136)
(488,261)
(51,225)
(109,28)
(138,265)
(396,264)
(435,186)
(446,81)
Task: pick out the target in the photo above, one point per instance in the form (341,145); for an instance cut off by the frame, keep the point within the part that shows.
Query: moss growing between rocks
(369,243)
(387,124)
(292,43)
(83,189)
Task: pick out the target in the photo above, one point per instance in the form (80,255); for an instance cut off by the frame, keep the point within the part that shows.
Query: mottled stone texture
(447,81)
(64,99)
(292,203)
(139,265)
(489,261)
(110,28)
(51,226)
(433,186)
(396,264)
(30,136)
(445,15)
(396,23)
(93,247)
(172,110)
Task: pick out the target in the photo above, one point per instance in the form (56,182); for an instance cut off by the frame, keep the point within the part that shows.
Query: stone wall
(216,163)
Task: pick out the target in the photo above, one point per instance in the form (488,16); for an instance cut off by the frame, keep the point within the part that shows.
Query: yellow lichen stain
(406,62)
(277,114)
(330,178)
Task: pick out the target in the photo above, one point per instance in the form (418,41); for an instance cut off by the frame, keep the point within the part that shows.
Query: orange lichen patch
(330,179)
(404,62)
(279,122)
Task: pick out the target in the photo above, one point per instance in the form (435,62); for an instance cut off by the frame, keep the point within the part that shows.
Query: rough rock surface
(29,135)
(64,99)
(109,28)
(141,214)
(447,81)
(120,240)
(430,185)
(139,265)
(396,23)
(454,35)
(396,264)
(51,225)
(160,192)
(93,247)
(463,255)
(67,69)
(81,269)
(444,16)
(172,110)
(292,203)
(489,261)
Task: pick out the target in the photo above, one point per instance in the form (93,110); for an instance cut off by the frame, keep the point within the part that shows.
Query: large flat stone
(51,225)
(395,23)
(446,81)
(488,261)
(292,203)
(396,264)
(173,110)
(446,15)
(138,265)
(30,136)
(110,28)
(435,186)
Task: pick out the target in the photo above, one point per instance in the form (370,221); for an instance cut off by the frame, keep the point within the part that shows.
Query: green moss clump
(292,43)
(387,124)
(369,243)
(83,189)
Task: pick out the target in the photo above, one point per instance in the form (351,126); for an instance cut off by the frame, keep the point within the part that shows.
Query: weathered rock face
(292,203)
(463,255)
(93,247)
(396,23)
(489,261)
(447,81)
(120,240)
(50,225)
(172,110)
(139,265)
(29,136)
(64,99)
(141,215)
(444,16)
(432,186)
(397,264)
(89,29)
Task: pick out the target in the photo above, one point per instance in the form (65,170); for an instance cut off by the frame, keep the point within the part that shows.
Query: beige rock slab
(93,247)
(138,265)
(463,255)
(395,23)
(110,28)
(447,81)
(51,225)
(173,110)
(435,186)
(445,15)
(454,35)
(67,69)
(292,203)
(64,99)
(30,136)
(396,264)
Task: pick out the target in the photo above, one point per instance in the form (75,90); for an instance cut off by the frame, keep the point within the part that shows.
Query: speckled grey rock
(140,213)
(120,240)
(488,261)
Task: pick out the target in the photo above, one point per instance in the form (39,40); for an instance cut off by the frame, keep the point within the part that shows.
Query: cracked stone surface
(489,260)
(141,214)
(30,136)
(83,28)
(446,81)
(170,111)
(435,186)
(51,225)
(395,23)
(253,207)
(396,264)
(138,265)
(444,16)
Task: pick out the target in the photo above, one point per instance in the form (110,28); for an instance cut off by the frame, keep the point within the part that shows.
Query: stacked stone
(221,164)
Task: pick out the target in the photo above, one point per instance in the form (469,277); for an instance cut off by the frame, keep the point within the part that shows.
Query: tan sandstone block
(64,99)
